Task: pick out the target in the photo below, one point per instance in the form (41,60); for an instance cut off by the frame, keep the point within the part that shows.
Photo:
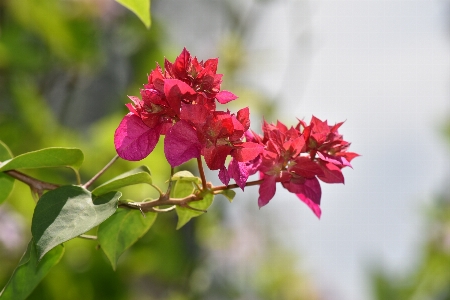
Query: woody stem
(202,173)
(33,183)
(96,176)
(234,186)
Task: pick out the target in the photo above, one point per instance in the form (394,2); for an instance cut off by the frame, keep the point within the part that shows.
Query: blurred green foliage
(65,70)
(429,278)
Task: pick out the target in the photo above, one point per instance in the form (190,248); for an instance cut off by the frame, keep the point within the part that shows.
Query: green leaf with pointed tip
(30,272)
(120,231)
(6,181)
(48,157)
(67,212)
(185,214)
(183,189)
(135,176)
(229,194)
(186,176)
(140,8)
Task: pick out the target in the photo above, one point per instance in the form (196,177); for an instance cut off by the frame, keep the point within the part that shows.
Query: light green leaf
(185,214)
(6,181)
(229,194)
(183,189)
(186,176)
(140,8)
(30,272)
(67,212)
(135,176)
(49,157)
(122,230)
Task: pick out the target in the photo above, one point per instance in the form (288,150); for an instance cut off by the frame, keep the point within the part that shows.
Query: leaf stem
(96,176)
(162,210)
(87,237)
(161,193)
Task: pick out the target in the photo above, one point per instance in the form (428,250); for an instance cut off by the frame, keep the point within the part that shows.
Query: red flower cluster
(299,156)
(179,102)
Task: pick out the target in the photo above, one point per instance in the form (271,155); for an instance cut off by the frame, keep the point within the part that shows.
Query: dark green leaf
(140,7)
(121,231)
(135,176)
(30,272)
(6,181)
(49,157)
(183,189)
(67,212)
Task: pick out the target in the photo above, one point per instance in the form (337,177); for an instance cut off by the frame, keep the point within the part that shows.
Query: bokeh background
(383,66)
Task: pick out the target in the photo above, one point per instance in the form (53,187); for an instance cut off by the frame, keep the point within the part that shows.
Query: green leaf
(183,189)
(67,212)
(185,214)
(135,176)
(140,8)
(49,157)
(186,176)
(229,194)
(121,231)
(6,181)
(30,272)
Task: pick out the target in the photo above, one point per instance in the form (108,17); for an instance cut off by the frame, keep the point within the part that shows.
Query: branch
(235,186)
(202,172)
(35,184)
(96,176)
(150,206)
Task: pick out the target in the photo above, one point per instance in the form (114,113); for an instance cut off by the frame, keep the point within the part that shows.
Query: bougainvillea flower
(181,143)
(154,115)
(133,139)
(222,134)
(299,156)
(201,76)
(327,147)
(185,91)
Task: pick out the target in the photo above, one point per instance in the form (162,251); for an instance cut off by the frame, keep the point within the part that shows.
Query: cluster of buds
(180,103)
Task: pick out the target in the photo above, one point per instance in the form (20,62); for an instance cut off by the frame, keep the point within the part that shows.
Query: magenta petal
(133,139)
(239,172)
(266,190)
(225,97)
(310,193)
(331,173)
(175,90)
(313,206)
(247,151)
(224,176)
(181,144)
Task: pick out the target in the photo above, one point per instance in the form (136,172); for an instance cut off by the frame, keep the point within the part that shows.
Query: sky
(383,67)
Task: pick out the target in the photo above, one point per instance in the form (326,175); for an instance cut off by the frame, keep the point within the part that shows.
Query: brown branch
(235,186)
(96,176)
(202,172)
(35,184)
(162,201)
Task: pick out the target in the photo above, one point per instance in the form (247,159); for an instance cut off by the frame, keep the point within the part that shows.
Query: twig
(235,186)
(35,184)
(96,176)
(202,173)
